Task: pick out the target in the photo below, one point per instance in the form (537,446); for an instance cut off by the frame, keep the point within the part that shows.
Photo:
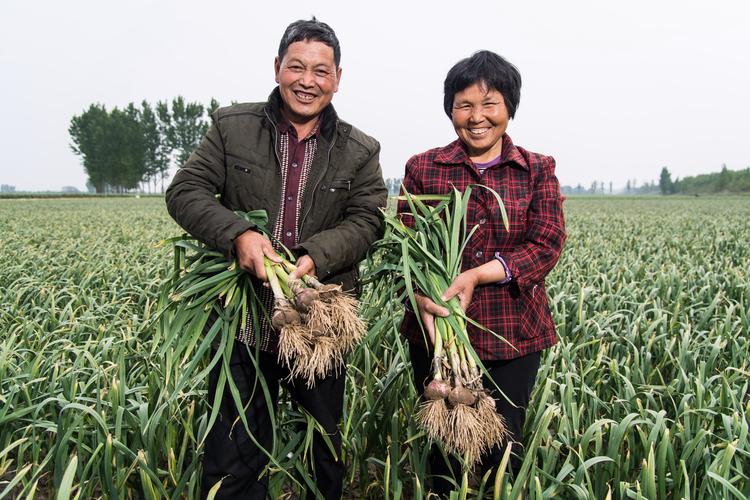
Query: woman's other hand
(465,283)
(427,312)
(463,287)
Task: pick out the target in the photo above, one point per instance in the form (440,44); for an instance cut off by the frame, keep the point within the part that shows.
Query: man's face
(307,78)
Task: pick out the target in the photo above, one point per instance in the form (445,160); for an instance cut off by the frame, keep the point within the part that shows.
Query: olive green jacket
(340,214)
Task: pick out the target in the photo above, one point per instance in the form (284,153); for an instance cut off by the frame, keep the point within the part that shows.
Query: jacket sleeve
(192,196)
(346,244)
(545,234)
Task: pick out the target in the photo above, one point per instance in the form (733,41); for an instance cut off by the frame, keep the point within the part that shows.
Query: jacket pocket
(330,203)
(535,315)
(338,185)
(249,184)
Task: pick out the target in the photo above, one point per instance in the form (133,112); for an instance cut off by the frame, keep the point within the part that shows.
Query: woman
(502,283)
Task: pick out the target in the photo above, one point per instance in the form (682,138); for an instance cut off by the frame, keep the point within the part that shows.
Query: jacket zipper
(315,189)
(275,142)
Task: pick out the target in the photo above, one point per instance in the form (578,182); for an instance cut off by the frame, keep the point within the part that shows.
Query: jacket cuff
(229,234)
(321,261)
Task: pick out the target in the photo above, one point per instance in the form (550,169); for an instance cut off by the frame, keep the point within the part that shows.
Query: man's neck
(303,128)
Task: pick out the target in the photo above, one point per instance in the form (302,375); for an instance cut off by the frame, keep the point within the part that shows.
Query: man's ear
(338,79)
(276,68)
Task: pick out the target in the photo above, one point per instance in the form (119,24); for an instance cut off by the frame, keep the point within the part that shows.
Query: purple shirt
(296,157)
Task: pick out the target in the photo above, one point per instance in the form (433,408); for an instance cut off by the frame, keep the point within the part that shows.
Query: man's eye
(295,68)
(321,72)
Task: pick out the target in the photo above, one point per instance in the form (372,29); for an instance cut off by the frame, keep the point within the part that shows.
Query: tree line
(134,147)
(725,181)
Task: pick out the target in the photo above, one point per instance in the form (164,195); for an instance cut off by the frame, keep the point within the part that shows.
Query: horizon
(611,93)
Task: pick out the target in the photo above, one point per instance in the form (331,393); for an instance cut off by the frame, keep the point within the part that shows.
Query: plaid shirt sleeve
(545,235)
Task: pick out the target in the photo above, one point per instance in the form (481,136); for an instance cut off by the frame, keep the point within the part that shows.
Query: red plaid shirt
(530,191)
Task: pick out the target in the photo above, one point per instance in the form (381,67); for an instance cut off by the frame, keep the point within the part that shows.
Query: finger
(450,292)
(269,252)
(297,274)
(259,267)
(465,300)
(260,273)
(436,310)
(303,267)
(429,326)
(441,311)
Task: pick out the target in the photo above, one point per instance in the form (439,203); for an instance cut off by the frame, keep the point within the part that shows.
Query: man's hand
(427,311)
(250,248)
(305,265)
(463,286)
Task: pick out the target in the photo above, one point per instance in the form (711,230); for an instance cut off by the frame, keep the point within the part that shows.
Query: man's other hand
(250,247)
(305,265)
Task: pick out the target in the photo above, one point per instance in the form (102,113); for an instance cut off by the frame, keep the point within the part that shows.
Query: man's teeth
(304,96)
(478,131)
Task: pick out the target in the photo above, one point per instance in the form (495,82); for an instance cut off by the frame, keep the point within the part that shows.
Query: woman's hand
(463,287)
(427,312)
(465,283)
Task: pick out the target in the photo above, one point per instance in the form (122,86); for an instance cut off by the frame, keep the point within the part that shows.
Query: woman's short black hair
(312,30)
(487,68)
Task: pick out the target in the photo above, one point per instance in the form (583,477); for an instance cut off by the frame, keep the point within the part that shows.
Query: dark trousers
(233,457)
(516,379)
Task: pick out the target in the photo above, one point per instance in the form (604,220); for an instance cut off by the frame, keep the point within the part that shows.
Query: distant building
(7,188)
(69,189)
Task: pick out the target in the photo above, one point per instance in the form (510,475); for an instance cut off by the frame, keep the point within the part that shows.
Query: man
(320,181)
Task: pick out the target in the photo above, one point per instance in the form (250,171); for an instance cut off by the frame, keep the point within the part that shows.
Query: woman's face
(480,119)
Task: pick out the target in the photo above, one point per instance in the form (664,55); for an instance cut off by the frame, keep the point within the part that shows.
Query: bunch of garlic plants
(421,253)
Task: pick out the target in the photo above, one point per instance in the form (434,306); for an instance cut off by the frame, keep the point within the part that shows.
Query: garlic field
(646,395)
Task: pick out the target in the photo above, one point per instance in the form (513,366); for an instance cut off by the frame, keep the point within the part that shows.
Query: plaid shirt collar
(455,154)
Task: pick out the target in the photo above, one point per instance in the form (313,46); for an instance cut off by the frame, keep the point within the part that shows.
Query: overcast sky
(614,91)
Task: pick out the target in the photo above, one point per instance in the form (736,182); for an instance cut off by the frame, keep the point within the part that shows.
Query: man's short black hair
(487,68)
(314,30)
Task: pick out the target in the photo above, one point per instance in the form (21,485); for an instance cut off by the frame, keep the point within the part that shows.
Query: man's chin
(306,113)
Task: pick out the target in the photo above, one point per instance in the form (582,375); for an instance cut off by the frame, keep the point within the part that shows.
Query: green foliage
(647,395)
(122,149)
(666,186)
(186,127)
(156,150)
(87,131)
(725,181)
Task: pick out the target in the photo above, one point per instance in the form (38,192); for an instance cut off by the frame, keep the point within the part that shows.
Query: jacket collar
(455,153)
(328,118)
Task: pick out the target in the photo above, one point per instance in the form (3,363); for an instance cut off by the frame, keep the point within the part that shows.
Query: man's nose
(308,78)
